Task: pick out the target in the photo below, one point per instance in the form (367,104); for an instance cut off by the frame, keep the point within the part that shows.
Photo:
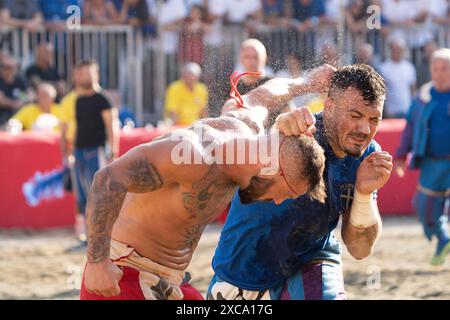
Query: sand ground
(34,265)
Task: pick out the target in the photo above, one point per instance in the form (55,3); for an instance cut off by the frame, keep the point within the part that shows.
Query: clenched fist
(373,172)
(296,122)
(102,278)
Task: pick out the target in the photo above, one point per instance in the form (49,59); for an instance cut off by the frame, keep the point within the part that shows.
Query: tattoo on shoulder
(144,176)
(208,195)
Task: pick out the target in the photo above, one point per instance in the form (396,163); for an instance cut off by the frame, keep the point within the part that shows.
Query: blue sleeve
(319,8)
(373,147)
(407,135)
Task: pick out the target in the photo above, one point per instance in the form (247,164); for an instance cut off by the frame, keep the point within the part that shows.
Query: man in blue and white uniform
(273,250)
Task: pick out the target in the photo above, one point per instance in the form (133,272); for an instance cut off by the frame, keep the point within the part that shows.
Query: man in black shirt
(43,70)
(97,133)
(13,90)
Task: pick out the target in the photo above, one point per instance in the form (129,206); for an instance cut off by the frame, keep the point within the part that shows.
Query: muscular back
(166,223)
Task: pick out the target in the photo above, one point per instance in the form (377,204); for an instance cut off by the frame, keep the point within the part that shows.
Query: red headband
(234,79)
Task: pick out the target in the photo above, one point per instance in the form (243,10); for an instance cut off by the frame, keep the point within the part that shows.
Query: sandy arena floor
(33,265)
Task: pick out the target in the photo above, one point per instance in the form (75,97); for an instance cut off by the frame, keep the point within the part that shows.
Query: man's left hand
(373,172)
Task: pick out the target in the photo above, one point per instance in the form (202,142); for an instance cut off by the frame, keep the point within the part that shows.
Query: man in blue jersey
(289,251)
(426,136)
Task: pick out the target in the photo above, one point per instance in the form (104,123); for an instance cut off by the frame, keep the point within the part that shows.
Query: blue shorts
(432,199)
(320,280)
(87,162)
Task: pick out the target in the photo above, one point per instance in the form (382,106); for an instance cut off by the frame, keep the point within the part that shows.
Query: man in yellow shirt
(44,114)
(187,98)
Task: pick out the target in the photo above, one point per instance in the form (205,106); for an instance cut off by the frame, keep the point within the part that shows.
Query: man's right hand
(296,122)
(102,278)
(400,166)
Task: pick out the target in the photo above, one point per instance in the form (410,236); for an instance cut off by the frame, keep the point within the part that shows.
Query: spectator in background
(43,69)
(308,14)
(426,137)
(99,12)
(13,90)
(171,16)
(218,49)
(423,67)
(276,18)
(187,98)
(276,13)
(191,36)
(365,55)
(55,13)
(406,19)
(243,12)
(253,58)
(356,16)
(97,133)
(133,12)
(400,77)
(333,11)
(24,14)
(43,114)
(440,12)
(329,53)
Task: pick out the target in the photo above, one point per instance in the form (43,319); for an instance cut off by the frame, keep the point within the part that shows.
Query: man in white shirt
(400,77)
(239,10)
(408,20)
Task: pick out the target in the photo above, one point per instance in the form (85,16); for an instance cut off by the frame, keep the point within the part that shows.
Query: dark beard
(333,139)
(256,188)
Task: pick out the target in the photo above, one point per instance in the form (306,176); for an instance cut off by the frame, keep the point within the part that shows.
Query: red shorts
(130,288)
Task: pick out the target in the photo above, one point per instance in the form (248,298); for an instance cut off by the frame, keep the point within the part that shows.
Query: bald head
(44,54)
(364,53)
(46,95)
(440,69)
(191,74)
(253,55)
(397,47)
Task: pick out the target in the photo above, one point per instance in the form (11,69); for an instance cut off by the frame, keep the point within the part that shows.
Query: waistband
(125,255)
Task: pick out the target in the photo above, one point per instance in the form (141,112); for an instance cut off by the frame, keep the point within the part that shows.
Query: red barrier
(395,198)
(22,156)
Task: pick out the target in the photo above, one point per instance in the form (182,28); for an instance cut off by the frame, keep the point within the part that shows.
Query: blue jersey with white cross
(262,244)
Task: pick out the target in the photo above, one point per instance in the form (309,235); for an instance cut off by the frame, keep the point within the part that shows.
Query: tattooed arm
(143,169)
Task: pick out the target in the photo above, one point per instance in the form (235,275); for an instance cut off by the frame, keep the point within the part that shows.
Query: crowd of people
(195,31)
